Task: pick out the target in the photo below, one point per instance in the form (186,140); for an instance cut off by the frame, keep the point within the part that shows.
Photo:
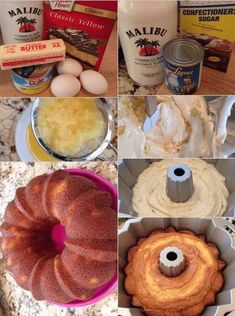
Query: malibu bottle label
(145,45)
(21,21)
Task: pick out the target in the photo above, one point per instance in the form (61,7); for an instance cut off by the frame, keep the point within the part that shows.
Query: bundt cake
(168,282)
(88,259)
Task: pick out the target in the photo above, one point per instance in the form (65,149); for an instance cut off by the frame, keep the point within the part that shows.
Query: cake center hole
(179,172)
(172,256)
(58,237)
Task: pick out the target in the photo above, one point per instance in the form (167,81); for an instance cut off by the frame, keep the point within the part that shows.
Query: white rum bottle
(21,21)
(145,26)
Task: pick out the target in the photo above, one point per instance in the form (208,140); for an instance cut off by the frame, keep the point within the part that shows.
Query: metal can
(33,79)
(183,60)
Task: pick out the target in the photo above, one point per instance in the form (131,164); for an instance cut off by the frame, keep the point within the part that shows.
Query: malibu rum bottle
(21,21)
(145,26)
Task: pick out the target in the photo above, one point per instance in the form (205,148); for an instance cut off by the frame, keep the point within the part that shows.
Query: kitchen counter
(213,82)
(10,111)
(108,68)
(15,301)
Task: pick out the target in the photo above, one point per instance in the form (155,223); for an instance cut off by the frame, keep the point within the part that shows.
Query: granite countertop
(10,112)
(14,301)
(127,86)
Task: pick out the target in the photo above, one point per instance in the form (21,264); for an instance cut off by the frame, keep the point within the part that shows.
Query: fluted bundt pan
(179,183)
(217,231)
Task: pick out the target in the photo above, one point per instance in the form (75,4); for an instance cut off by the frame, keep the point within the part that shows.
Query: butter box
(211,24)
(19,55)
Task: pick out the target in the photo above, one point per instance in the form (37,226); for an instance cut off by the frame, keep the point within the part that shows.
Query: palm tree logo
(26,25)
(147,47)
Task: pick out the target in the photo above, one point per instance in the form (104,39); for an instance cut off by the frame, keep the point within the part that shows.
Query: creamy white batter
(209,197)
(184,129)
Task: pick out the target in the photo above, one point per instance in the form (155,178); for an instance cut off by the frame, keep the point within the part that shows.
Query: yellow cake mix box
(212,24)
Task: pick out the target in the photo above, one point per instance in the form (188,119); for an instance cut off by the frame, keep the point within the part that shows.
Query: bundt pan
(58,236)
(218,231)
(106,110)
(130,169)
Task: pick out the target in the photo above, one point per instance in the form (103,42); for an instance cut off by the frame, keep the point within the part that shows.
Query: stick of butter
(19,55)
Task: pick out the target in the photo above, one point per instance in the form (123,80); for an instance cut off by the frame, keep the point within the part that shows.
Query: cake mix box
(211,23)
(85,27)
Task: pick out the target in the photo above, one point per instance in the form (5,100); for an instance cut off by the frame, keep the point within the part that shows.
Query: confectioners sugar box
(85,27)
(211,23)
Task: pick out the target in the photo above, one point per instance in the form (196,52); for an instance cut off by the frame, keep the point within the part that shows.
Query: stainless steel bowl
(108,117)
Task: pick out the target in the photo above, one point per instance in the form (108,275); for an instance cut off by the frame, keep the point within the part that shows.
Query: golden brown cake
(186,294)
(88,259)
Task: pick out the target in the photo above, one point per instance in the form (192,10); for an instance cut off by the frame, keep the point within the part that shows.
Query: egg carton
(130,169)
(218,231)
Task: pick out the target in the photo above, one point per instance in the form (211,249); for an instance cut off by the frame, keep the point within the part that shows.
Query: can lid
(183,52)
(36,71)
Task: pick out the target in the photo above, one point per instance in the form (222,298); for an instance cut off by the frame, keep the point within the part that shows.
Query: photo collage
(117,158)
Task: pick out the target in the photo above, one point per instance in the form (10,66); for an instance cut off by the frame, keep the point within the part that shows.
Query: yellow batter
(72,126)
(209,197)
